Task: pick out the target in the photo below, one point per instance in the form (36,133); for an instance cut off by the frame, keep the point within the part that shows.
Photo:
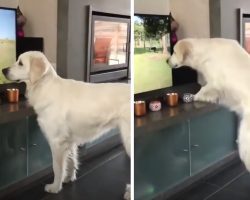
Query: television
(151,47)
(244,29)
(108,46)
(7,39)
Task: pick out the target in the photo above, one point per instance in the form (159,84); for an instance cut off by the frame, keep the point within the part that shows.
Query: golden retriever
(70,112)
(225,66)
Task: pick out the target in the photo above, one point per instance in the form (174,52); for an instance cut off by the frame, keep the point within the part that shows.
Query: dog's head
(30,66)
(181,55)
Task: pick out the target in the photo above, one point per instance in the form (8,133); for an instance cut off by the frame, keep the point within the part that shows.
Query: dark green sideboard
(175,144)
(23,150)
(25,155)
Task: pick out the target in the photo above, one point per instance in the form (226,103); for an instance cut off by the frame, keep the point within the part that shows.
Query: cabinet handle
(22,149)
(185,150)
(195,145)
(34,145)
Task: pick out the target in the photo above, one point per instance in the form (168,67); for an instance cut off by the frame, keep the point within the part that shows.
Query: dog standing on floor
(71,112)
(225,65)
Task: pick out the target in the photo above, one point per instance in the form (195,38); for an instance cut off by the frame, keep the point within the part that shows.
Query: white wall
(41,21)
(9,3)
(151,7)
(72,51)
(192,16)
(229,17)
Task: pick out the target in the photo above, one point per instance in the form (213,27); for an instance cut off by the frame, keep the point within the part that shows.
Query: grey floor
(104,177)
(233,183)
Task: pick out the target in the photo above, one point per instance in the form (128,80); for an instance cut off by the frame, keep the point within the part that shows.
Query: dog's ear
(37,69)
(185,49)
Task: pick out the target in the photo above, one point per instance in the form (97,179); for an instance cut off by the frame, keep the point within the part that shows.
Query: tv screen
(151,47)
(110,37)
(7,39)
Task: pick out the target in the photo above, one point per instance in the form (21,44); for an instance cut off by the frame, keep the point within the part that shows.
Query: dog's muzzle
(168,60)
(170,64)
(5,71)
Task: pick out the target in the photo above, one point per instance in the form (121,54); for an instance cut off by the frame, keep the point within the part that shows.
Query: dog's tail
(244,140)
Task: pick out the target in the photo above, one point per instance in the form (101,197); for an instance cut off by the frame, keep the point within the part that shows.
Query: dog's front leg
(59,154)
(207,93)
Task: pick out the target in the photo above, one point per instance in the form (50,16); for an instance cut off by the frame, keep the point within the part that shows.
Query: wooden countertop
(167,116)
(15,111)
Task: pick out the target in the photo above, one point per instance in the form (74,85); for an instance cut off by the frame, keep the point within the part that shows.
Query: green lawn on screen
(150,70)
(7,57)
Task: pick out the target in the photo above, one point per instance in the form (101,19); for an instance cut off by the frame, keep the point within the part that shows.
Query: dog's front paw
(211,99)
(52,188)
(127,193)
(198,97)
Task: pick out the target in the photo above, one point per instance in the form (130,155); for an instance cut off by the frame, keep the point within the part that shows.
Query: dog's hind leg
(244,140)
(125,134)
(127,195)
(71,164)
(59,151)
(124,126)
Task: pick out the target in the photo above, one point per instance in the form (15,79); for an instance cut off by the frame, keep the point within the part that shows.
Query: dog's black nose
(167,60)
(5,71)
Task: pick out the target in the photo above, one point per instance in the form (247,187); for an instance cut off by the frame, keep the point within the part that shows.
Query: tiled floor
(96,182)
(104,177)
(231,184)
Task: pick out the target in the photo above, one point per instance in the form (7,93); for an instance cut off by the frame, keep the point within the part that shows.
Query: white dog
(70,112)
(225,65)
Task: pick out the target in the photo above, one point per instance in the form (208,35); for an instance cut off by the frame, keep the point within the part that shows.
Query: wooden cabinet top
(15,111)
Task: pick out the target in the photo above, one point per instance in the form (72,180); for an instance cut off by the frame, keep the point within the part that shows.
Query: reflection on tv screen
(151,47)
(247,37)
(7,40)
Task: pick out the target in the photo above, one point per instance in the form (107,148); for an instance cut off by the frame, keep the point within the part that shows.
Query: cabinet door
(39,154)
(212,138)
(161,160)
(13,152)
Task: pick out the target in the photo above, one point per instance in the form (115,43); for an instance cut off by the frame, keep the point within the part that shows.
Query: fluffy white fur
(225,66)
(71,112)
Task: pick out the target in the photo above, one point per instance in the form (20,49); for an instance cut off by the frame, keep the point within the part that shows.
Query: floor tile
(104,177)
(106,182)
(233,183)
(199,192)
(227,175)
(240,187)
(226,195)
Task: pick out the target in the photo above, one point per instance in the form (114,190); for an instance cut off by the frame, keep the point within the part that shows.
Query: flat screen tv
(151,47)
(108,46)
(7,39)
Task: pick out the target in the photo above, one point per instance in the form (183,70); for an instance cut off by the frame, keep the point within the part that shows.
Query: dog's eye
(20,63)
